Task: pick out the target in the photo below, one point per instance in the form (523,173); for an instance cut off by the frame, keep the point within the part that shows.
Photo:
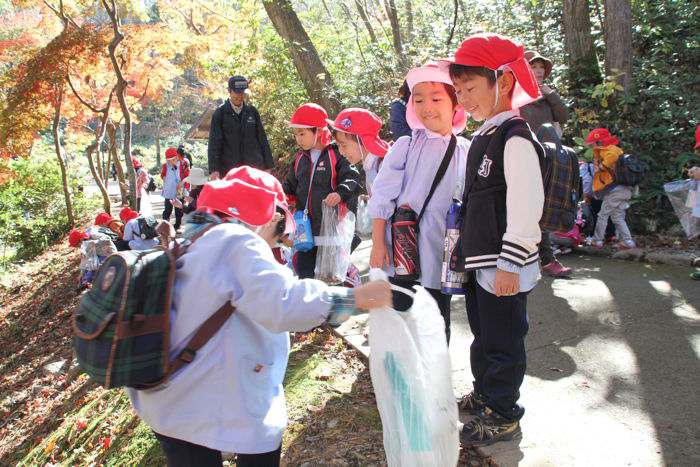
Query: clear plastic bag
(89,260)
(680,193)
(412,378)
(364,221)
(337,231)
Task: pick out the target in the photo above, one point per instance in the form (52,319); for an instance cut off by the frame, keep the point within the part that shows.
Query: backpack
(561,180)
(151,187)
(629,170)
(147,227)
(122,325)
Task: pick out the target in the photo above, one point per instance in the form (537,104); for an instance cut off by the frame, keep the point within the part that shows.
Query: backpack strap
(334,173)
(203,335)
(297,159)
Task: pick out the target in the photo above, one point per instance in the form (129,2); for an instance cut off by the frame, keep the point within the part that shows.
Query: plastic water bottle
(452,282)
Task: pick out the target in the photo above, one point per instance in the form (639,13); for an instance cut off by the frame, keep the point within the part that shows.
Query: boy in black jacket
(498,245)
(318,174)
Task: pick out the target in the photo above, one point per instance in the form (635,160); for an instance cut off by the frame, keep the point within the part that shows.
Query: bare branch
(79,97)
(454,23)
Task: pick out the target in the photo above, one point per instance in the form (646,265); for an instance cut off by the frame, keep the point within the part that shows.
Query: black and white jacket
(503,198)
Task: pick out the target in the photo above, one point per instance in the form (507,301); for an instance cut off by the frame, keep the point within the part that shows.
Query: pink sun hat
(431,72)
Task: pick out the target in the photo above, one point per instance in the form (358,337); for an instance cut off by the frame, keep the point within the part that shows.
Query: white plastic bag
(364,221)
(412,378)
(88,258)
(337,231)
(680,194)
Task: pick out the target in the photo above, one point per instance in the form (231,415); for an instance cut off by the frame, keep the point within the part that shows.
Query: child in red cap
(142,180)
(173,172)
(132,231)
(318,174)
(615,198)
(498,245)
(357,135)
(230,397)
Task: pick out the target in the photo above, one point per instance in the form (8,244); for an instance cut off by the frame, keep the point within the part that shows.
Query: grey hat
(237,84)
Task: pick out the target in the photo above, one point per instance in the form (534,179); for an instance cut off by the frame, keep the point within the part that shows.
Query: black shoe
(471,404)
(489,428)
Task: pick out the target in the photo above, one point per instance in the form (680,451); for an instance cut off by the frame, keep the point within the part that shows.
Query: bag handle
(446,159)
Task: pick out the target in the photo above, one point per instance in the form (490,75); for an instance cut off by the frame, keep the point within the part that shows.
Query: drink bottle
(452,282)
(404,235)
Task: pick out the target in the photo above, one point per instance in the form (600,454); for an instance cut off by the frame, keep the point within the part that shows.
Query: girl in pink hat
(357,135)
(408,172)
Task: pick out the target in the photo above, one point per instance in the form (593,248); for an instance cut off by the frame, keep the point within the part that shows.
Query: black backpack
(561,180)
(147,227)
(629,170)
(151,187)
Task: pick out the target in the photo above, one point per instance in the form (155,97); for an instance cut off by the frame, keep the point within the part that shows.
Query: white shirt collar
(495,121)
(431,134)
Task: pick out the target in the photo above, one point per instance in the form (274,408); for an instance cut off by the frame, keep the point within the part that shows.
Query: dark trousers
(546,252)
(306,263)
(185,454)
(499,325)
(402,302)
(168,209)
(122,245)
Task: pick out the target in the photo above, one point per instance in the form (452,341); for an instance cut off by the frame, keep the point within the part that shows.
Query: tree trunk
(61,161)
(409,21)
(121,96)
(365,20)
(454,23)
(393,15)
(618,41)
(106,203)
(313,73)
(583,63)
(123,189)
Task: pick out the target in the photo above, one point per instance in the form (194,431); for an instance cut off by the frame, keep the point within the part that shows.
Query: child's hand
(376,294)
(506,283)
(268,231)
(694,173)
(332,199)
(379,256)
(176,203)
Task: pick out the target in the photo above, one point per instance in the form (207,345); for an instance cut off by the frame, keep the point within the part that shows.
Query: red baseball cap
(103,218)
(497,52)
(697,137)
(602,136)
(76,236)
(136,163)
(248,194)
(365,125)
(171,153)
(127,214)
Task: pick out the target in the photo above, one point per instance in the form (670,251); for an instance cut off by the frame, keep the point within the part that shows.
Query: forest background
(85,83)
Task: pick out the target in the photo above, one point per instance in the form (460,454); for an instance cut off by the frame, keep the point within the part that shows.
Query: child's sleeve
(290,181)
(163,171)
(524,201)
(268,293)
(348,185)
(387,186)
(129,231)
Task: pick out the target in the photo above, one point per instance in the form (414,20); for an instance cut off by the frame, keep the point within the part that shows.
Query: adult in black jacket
(237,136)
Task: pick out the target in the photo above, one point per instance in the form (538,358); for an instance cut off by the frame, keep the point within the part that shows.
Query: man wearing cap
(549,108)
(237,136)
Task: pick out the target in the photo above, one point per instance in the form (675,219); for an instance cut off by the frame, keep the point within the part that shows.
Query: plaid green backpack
(122,325)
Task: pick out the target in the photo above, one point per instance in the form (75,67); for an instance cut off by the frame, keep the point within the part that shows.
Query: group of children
(498,180)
